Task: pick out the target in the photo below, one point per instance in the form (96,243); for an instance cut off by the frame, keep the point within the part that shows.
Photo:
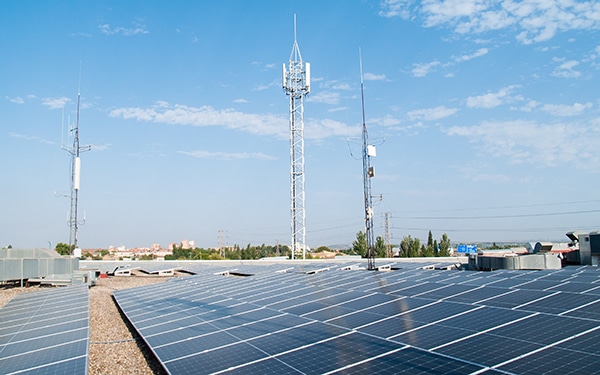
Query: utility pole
(368,151)
(75,151)
(296,83)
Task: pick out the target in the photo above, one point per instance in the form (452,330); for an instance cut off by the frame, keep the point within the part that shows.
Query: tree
(359,246)
(430,240)
(322,248)
(63,248)
(445,245)
(380,247)
(409,247)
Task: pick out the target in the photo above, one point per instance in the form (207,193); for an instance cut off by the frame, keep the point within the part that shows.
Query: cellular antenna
(296,83)
(75,151)
(368,151)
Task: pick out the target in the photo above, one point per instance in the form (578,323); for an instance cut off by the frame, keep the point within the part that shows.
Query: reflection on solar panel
(409,320)
(46,332)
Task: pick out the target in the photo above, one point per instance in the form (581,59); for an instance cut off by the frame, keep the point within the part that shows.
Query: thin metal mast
(75,179)
(296,83)
(368,172)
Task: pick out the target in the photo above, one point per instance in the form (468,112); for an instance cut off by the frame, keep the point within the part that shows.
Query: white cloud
(55,103)
(259,124)
(16,100)
(327,97)
(106,29)
(374,77)
(491,100)
(421,70)
(333,85)
(566,110)
(529,106)
(241,100)
(395,8)
(430,114)
(527,142)
(324,128)
(202,154)
(566,69)
(533,20)
(480,52)
(33,138)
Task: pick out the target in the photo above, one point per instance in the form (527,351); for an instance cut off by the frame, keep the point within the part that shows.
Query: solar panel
(46,332)
(339,321)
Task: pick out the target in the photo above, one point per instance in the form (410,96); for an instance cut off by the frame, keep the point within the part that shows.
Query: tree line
(409,247)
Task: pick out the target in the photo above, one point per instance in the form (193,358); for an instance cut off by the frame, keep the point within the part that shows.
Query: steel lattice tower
(296,83)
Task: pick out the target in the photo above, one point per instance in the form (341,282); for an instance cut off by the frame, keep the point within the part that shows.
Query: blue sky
(485,115)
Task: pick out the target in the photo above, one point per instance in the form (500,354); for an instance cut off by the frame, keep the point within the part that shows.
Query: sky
(485,116)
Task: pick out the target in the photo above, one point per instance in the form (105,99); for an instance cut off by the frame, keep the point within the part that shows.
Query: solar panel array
(46,332)
(409,320)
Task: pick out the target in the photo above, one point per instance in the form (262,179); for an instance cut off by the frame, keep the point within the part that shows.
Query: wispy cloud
(566,69)
(480,52)
(395,8)
(55,103)
(16,100)
(528,142)
(493,99)
(258,124)
(566,110)
(535,21)
(421,70)
(327,97)
(374,77)
(203,154)
(431,114)
(241,100)
(127,31)
(32,138)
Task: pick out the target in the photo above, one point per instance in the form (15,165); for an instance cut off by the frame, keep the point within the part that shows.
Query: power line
(500,216)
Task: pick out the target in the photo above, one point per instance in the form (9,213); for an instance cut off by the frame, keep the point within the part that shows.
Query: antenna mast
(368,172)
(296,83)
(74,151)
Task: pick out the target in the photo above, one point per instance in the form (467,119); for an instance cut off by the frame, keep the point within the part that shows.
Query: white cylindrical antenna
(77,173)
(284,75)
(307,65)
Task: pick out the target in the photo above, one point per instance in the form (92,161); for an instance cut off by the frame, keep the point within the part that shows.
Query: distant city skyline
(486,118)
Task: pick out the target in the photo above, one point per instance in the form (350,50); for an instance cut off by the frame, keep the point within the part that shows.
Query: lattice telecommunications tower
(296,83)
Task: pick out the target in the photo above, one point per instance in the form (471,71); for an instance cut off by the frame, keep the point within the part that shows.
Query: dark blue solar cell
(561,302)
(296,337)
(337,353)
(431,336)
(515,298)
(194,345)
(544,329)
(215,360)
(414,362)
(488,349)
(271,366)
(554,361)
